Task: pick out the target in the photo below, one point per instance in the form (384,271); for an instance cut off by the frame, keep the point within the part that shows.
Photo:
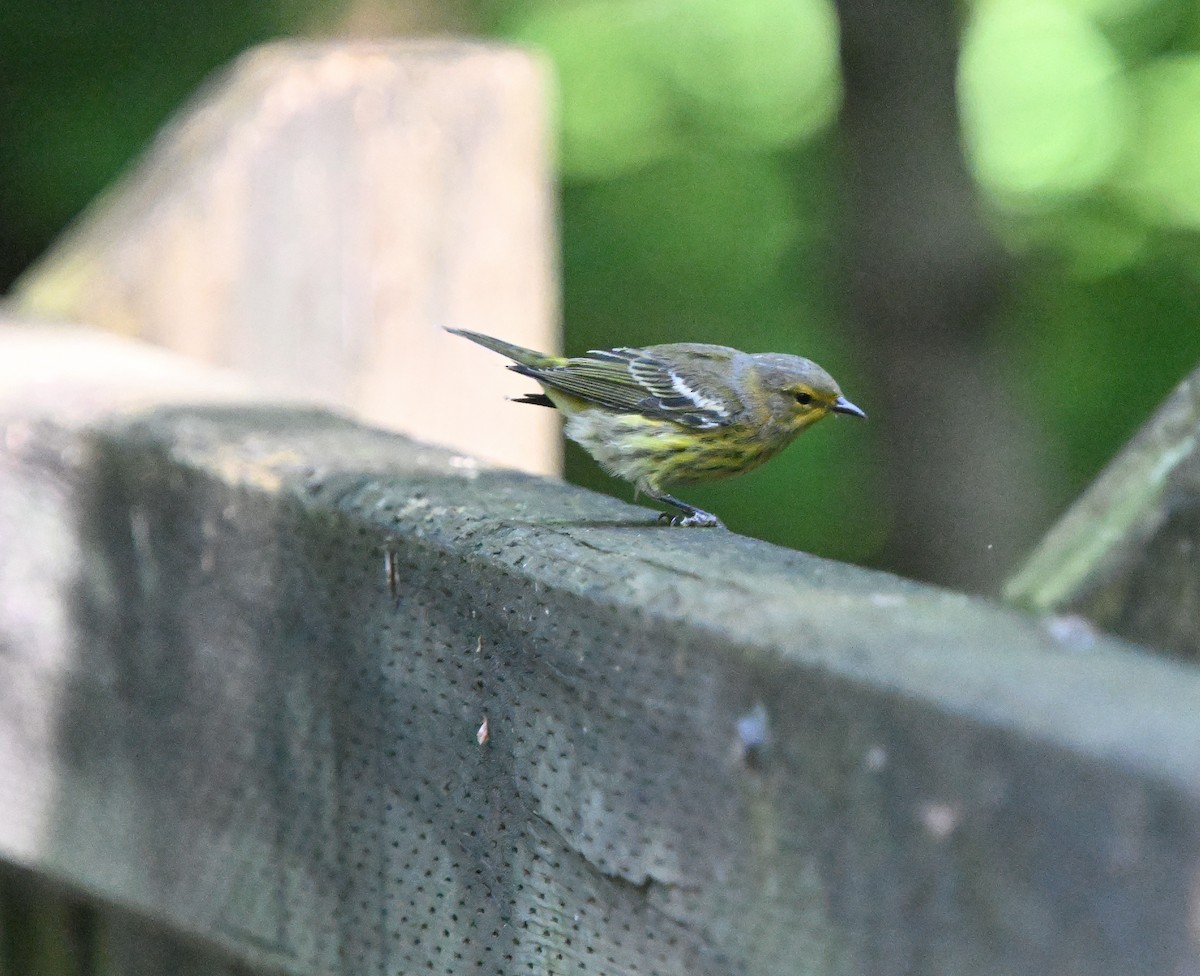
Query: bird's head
(798,391)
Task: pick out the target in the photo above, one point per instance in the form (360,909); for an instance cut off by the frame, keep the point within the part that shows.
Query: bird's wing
(680,385)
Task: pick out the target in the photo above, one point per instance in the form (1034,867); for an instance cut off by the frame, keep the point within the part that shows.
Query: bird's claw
(694,520)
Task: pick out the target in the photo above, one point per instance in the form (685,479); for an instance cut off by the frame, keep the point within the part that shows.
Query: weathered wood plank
(1127,554)
(245,652)
(319,213)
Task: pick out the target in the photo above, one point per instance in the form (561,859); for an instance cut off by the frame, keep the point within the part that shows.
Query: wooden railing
(282,692)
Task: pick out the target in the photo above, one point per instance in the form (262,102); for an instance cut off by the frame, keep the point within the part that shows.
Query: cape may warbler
(680,413)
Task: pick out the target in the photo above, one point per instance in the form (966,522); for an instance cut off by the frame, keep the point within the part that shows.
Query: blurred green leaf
(1090,238)
(1045,105)
(712,223)
(640,82)
(757,74)
(615,110)
(1161,176)
(1137,29)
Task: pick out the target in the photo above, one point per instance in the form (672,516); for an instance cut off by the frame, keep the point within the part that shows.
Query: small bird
(680,413)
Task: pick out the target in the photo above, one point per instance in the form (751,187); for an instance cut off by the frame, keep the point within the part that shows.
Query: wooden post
(1127,554)
(319,213)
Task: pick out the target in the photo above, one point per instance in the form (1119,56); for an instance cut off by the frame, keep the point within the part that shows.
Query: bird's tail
(518,354)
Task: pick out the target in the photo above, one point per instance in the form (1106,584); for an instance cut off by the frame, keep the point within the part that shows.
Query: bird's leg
(691,514)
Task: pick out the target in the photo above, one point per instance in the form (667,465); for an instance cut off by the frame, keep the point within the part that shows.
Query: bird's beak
(842,405)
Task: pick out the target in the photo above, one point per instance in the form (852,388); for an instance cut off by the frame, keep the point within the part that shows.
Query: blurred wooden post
(318,214)
(1127,554)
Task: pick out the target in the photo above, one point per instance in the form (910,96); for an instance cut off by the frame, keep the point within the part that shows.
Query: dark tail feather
(537,399)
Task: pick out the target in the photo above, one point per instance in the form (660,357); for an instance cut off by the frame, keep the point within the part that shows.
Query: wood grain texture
(319,213)
(245,651)
(1126,555)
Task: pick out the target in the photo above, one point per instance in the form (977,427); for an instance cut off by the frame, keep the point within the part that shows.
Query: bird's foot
(692,516)
(697,518)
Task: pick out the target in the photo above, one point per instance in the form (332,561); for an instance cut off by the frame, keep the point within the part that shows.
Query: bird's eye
(804,399)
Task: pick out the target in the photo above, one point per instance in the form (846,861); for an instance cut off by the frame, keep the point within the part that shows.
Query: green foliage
(1161,177)
(641,82)
(1045,105)
(615,112)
